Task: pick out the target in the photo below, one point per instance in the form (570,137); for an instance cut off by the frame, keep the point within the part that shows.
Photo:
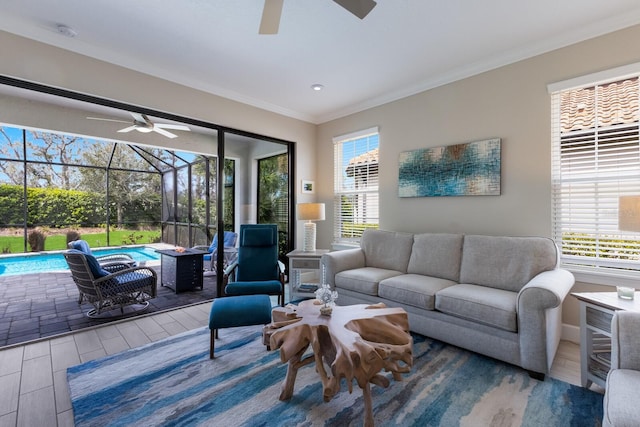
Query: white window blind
(595,161)
(355,173)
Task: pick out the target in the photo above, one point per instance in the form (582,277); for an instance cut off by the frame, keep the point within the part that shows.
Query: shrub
(36,238)
(72,235)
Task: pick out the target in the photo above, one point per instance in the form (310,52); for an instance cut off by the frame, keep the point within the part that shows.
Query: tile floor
(33,385)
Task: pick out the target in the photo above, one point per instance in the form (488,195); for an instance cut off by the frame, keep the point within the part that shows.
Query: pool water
(46,262)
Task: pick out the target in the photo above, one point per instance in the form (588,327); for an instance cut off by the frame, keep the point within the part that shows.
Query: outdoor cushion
(364,280)
(493,307)
(93,263)
(81,245)
(413,289)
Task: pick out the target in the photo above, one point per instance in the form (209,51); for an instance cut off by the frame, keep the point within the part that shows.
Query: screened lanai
(53,181)
(76,163)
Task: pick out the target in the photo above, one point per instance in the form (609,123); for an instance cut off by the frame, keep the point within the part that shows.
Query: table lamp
(628,220)
(629,213)
(310,212)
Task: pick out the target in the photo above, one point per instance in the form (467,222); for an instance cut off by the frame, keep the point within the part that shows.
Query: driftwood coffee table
(356,342)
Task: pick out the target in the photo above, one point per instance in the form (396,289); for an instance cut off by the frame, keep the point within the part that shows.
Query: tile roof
(370,158)
(605,105)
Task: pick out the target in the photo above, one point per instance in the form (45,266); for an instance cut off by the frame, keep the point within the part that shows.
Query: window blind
(355,184)
(595,161)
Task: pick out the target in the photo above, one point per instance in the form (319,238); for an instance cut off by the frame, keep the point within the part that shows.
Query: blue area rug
(172,382)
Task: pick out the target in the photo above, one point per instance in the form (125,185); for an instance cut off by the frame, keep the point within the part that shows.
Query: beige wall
(511,103)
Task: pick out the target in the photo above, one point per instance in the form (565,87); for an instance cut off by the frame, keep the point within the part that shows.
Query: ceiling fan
(273,10)
(141,123)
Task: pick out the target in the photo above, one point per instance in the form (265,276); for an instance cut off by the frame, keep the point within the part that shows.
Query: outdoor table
(181,271)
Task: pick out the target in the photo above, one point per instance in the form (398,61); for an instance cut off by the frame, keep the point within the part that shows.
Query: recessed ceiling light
(317,86)
(66,30)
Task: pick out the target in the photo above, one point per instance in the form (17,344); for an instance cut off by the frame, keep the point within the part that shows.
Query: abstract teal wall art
(470,169)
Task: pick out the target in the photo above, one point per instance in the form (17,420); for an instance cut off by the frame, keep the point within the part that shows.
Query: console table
(596,312)
(181,271)
(304,273)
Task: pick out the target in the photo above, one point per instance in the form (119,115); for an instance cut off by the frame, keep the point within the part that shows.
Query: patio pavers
(41,305)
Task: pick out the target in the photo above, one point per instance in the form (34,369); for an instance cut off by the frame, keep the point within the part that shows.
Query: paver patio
(33,306)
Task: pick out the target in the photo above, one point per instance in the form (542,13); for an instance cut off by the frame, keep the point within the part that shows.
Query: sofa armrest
(539,309)
(337,261)
(625,341)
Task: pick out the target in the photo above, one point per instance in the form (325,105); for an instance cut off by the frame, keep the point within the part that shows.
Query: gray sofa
(498,296)
(621,399)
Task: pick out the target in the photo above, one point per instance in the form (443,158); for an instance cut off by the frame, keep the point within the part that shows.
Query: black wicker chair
(108,291)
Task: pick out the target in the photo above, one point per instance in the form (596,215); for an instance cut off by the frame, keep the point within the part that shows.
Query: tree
(12,148)
(133,179)
(54,152)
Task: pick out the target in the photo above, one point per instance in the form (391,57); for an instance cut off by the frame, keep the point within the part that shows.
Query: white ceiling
(402,47)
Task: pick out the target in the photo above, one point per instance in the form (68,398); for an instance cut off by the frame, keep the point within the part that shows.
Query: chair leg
(212,343)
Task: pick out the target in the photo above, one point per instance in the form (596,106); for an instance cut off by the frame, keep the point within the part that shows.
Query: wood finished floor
(33,383)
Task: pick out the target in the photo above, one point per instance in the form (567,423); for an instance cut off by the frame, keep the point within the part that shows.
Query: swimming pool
(54,261)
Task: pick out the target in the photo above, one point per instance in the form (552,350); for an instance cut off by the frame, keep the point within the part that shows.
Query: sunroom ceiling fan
(273,10)
(143,124)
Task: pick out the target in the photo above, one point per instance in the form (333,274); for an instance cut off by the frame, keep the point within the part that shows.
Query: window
(355,195)
(595,162)
(273,197)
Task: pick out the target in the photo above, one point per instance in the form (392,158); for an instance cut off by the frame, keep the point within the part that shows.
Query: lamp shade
(310,211)
(629,213)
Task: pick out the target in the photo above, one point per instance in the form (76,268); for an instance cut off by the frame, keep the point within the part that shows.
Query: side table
(304,272)
(181,271)
(596,312)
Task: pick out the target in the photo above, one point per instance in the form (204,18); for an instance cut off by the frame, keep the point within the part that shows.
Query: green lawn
(15,244)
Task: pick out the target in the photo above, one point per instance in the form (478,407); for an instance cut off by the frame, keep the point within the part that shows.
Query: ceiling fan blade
(360,8)
(108,120)
(164,132)
(141,118)
(170,126)
(271,16)
(128,129)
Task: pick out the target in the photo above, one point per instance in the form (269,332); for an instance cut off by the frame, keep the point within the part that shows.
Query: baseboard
(570,333)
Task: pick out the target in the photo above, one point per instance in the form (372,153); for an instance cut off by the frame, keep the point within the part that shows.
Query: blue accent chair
(257,269)
(230,240)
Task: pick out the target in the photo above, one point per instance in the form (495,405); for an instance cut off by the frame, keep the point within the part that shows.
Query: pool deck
(33,306)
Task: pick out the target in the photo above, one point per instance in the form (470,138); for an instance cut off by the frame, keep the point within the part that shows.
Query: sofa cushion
(493,307)
(413,289)
(436,255)
(386,249)
(506,263)
(621,403)
(364,280)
